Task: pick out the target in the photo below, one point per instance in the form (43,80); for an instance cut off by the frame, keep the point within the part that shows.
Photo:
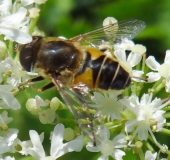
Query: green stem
(140,153)
(143,62)
(167,108)
(167,115)
(11,48)
(33,24)
(138,66)
(165,131)
(158,88)
(66,121)
(167,124)
(148,145)
(158,144)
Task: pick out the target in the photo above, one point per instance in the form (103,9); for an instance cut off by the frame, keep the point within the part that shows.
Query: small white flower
(160,70)
(17,74)
(108,147)
(55,103)
(150,156)
(58,148)
(7,139)
(111,30)
(4,119)
(28,144)
(147,113)
(33,104)
(34,12)
(129,62)
(47,116)
(12,26)
(108,104)
(164,148)
(5,6)
(140,49)
(8,99)
(69,134)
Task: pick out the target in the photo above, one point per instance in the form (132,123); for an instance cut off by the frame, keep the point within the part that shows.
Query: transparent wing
(114,32)
(75,100)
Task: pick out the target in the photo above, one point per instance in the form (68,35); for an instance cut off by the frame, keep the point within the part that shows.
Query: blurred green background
(69,18)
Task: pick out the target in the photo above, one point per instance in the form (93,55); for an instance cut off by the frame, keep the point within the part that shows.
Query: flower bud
(68,134)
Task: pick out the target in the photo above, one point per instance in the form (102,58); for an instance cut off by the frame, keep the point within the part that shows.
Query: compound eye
(26,55)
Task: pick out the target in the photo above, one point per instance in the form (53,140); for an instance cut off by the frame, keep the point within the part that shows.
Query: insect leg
(48,86)
(30,80)
(37,79)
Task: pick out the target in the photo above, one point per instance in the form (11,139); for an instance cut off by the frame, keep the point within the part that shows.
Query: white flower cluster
(126,119)
(138,117)
(15,19)
(134,117)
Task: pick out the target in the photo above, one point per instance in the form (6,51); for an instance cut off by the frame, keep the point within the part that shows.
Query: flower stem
(33,24)
(148,145)
(158,88)
(167,124)
(143,62)
(167,115)
(157,144)
(66,121)
(140,153)
(11,48)
(166,131)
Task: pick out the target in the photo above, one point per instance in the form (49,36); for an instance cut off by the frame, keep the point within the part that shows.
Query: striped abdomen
(101,71)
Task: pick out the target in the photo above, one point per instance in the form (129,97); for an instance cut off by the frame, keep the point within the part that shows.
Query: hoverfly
(77,65)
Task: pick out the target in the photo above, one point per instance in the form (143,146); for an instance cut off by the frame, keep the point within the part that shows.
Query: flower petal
(153,76)
(129,125)
(8,97)
(16,20)
(57,140)
(5,6)
(104,133)
(15,35)
(146,99)
(74,145)
(150,156)
(118,154)
(136,75)
(120,54)
(37,151)
(119,141)
(103,157)
(167,57)
(26,2)
(155,104)
(134,58)
(142,131)
(168,84)
(152,63)
(90,147)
